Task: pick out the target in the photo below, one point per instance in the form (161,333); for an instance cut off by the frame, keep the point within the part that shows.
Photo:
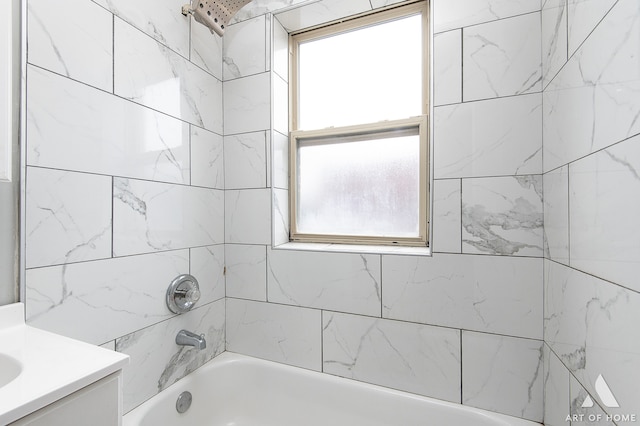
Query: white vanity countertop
(53,366)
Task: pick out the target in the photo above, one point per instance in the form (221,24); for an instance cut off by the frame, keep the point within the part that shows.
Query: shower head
(214,14)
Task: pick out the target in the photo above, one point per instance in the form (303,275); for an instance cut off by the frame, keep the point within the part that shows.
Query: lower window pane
(364,187)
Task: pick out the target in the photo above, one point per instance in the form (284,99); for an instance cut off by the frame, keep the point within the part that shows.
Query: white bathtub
(236,390)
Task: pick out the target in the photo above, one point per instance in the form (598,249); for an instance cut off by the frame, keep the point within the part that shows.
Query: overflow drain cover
(184,402)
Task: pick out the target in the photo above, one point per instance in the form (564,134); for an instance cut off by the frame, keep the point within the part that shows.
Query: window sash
(377,17)
(325,135)
(353,133)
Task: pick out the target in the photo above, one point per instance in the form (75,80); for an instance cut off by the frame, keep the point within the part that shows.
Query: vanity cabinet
(98,404)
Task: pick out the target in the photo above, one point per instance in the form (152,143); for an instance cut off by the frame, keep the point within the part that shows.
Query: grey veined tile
(503,374)
(503,215)
(502,58)
(495,294)
(412,357)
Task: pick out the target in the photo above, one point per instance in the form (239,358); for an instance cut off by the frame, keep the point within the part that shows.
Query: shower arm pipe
(214,14)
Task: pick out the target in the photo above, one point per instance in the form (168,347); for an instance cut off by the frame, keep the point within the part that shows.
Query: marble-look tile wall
(124,181)
(433,325)
(591,180)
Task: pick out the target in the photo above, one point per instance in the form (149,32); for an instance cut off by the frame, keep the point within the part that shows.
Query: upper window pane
(340,75)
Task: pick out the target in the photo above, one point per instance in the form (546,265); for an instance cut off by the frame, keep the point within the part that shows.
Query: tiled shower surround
(155,148)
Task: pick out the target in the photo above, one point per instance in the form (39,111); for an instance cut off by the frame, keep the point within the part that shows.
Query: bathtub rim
(137,414)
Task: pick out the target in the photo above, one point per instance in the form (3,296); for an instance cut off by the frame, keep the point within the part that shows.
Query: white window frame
(419,122)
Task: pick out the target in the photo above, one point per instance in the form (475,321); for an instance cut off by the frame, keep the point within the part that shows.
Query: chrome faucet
(187,338)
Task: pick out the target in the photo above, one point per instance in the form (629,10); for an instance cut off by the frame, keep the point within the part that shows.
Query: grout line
(113,216)
(113,54)
(381,303)
(322,341)
(116,257)
(461,66)
(595,276)
(461,213)
(569,214)
(374,317)
(266,273)
(461,372)
(50,72)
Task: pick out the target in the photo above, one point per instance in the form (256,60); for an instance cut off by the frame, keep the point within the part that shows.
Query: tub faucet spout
(187,338)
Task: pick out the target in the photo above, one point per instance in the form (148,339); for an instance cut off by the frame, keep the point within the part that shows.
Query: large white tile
(247,104)
(246,275)
(74,127)
(554,38)
(594,101)
(149,73)
(151,216)
(286,334)
(556,214)
(340,282)
(447,67)
(72,38)
(207,264)
(557,404)
(582,120)
(160,19)
(319,12)
(280,50)
(207,159)
(446,216)
(280,105)
(503,374)
(156,362)
(206,49)
(450,14)
(245,159)
(281,219)
(482,293)
(583,17)
(280,164)
(489,138)
(248,216)
(503,215)
(410,357)
(245,48)
(609,55)
(589,325)
(605,207)
(68,217)
(101,300)
(502,58)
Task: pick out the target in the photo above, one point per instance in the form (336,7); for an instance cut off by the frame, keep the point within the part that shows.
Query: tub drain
(184,402)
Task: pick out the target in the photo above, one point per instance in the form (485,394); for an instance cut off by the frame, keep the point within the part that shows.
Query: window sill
(353,248)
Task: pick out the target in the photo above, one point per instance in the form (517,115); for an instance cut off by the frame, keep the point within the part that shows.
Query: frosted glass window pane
(362,76)
(360,188)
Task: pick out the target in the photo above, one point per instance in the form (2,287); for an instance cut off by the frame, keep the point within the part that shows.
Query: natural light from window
(368,75)
(367,187)
(359,155)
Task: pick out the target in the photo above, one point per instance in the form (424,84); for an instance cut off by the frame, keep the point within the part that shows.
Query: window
(358,147)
